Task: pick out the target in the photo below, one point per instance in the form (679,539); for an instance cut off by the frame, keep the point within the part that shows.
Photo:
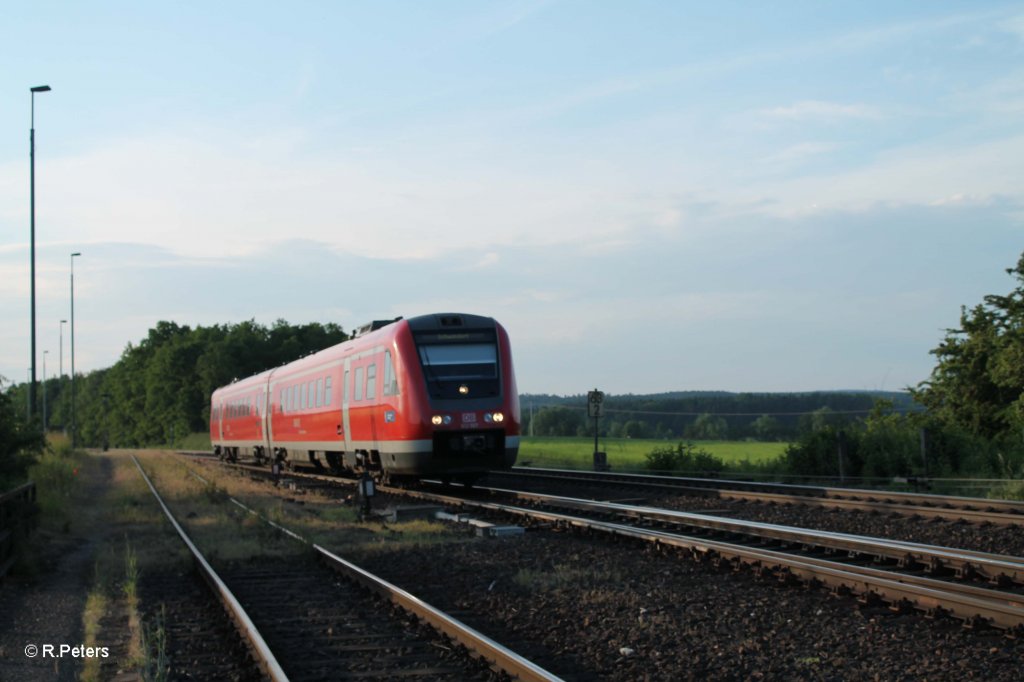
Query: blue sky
(649,195)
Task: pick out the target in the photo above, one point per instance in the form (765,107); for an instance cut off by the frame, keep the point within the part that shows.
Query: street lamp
(32,238)
(62,323)
(74,432)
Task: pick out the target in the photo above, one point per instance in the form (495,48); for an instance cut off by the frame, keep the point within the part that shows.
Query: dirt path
(46,608)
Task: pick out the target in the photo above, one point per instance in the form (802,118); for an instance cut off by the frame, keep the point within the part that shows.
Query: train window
(319,392)
(312,393)
(302,395)
(357,389)
(390,380)
(371,381)
(460,361)
(291,398)
(327,390)
(281,409)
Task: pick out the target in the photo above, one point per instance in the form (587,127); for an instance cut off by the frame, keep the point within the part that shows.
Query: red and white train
(433,395)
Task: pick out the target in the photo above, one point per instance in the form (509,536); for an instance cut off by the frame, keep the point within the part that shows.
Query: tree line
(159,389)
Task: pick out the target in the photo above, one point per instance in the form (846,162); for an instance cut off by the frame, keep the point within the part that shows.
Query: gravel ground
(46,608)
(587,608)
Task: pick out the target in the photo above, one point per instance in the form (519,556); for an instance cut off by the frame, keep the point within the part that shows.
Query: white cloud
(819,110)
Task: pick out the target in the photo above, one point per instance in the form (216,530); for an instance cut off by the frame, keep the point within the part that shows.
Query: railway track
(923,505)
(976,587)
(954,508)
(314,628)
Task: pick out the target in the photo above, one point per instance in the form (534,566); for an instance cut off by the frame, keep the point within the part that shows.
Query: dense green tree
(159,390)
(978,381)
(766,427)
(709,427)
(20,441)
(557,421)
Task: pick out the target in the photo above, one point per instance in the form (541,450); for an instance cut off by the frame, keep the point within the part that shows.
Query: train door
(345,392)
(265,410)
(269,418)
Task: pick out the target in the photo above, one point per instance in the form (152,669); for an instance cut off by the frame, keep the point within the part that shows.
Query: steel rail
(994,567)
(263,654)
(973,509)
(970,603)
(999,609)
(499,658)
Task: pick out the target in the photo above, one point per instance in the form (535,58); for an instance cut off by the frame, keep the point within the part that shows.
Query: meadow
(626,454)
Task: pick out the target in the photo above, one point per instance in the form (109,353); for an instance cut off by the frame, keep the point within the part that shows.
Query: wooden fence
(17,515)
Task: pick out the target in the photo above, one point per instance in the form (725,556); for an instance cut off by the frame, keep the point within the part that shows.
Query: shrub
(684,457)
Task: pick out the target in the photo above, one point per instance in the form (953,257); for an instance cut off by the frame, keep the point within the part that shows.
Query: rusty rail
(972,509)
(257,645)
(971,603)
(498,657)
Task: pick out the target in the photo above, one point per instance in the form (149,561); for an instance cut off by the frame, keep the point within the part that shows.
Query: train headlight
(499,417)
(436,420)
(463,389)
(488,417)
(447,419)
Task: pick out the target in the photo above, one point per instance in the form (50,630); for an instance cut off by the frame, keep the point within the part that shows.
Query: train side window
(357,392)
(319,392)
(312,394)
(371,381)
(282,401)
(291,398)
(327,390)
(390,380)
(302,395)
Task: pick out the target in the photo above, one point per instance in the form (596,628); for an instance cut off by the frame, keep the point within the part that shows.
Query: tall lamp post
(62,323)
(74,432)
(32,239)
(44,390)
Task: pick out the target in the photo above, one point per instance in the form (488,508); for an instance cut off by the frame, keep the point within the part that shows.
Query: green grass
(629,454)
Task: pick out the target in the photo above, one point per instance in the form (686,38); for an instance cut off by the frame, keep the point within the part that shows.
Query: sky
(649,196)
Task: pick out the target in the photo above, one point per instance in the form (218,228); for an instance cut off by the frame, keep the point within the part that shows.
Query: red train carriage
(433,395)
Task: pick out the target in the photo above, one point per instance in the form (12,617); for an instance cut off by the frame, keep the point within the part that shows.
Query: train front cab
(467,395)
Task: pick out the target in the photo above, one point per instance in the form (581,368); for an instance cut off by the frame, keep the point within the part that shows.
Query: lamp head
(40,88)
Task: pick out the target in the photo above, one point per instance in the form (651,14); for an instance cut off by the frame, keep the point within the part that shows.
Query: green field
(624,454)
(628,454)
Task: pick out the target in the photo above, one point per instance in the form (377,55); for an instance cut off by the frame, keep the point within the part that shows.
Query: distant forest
(706,415)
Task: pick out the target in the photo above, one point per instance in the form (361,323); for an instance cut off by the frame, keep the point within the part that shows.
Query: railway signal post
(595,409)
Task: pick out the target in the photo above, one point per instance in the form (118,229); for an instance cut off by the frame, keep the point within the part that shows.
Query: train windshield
(459,365)
(462,361)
